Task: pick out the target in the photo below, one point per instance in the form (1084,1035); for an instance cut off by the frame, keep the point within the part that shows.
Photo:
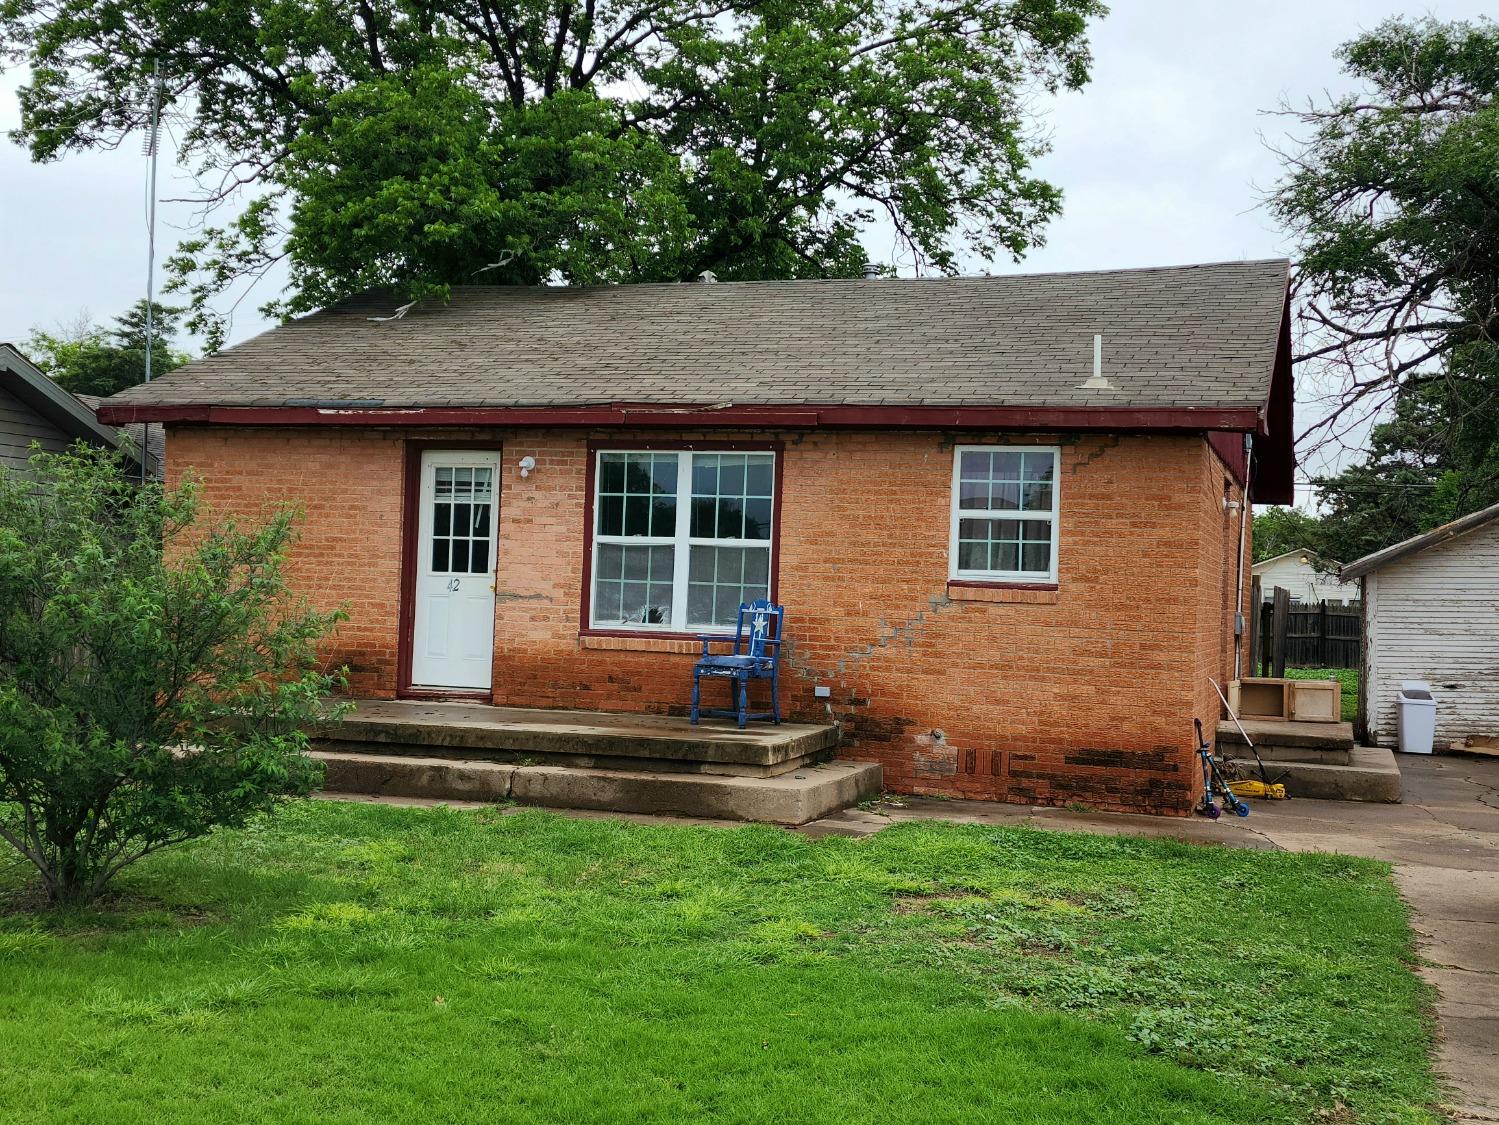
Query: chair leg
(697,682)
(743,702)
(775,697)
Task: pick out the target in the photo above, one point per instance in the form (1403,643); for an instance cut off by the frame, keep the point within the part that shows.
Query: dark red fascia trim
(1230,450)
(1179,419)
(411,488)
(585,628)
(1272,469)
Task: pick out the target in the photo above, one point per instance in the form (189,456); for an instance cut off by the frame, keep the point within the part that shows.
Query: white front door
(452,644)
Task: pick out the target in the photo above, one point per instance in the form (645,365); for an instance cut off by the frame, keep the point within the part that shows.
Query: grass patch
(357,963)
(1347,680)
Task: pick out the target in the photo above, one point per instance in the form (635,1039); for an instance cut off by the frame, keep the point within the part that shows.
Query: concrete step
(1286,735)
(1372,774)
(791,798)
(587,739)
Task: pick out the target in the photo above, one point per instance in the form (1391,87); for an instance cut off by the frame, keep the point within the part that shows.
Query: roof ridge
(870,281)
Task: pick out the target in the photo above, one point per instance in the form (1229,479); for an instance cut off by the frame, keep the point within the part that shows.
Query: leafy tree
(422,144)
(1435,459)
(1394,200)
(145,698)
(1278,530)
(89,360)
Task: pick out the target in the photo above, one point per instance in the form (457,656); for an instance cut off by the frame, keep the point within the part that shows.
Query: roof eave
(1418,543)
(54,403)
(790,416)
(1273,480)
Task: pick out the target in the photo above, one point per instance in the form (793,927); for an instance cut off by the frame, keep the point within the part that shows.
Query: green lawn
(355,963)
(1347,680)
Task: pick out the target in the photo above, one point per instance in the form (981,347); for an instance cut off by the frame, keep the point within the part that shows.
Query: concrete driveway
(1443,841)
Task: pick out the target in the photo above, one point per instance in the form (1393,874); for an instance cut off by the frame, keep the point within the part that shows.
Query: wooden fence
(1290,634)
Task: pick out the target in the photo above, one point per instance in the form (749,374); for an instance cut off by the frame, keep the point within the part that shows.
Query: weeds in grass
(360,963)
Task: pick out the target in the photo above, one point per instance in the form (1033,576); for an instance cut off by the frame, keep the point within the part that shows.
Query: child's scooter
(1214,783)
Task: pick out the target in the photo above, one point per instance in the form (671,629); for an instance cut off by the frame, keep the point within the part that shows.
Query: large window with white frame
(680,538)
(1005,503)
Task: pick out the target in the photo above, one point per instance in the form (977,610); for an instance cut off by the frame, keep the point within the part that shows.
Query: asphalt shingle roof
(1189,336)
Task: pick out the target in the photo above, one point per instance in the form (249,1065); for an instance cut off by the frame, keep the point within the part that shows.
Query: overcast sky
(1161,158)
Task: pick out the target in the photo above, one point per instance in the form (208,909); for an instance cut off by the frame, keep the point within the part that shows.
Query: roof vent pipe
(1097,381)
(871,271)
(707,277)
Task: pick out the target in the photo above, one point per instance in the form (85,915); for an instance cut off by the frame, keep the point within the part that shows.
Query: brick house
(538,496)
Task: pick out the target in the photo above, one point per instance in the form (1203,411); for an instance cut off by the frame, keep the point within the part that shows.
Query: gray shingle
(1182,336)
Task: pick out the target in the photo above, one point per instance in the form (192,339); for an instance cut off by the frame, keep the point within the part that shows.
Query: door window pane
(462,519)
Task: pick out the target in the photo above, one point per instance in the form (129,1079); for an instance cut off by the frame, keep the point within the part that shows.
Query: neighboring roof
(1287,554)
(24,380)
(1180,338)
(1417,543)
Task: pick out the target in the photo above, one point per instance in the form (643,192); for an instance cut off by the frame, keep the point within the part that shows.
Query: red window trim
(411,488)
(585,595)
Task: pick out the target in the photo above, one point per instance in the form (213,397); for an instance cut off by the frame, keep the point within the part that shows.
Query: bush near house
(155,670)
(359,963)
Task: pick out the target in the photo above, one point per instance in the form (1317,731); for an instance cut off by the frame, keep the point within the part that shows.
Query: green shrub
(155,669)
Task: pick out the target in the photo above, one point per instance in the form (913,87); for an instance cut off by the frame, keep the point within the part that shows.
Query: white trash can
(1416,717)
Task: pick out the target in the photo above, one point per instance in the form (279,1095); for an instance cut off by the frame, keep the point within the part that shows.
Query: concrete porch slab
(792,798)
(1370,775)
(591,739)
(1327,744)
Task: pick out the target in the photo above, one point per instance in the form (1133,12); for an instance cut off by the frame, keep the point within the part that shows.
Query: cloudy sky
(1162,158)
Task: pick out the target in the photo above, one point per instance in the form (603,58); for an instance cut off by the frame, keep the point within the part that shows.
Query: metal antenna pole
(153,136)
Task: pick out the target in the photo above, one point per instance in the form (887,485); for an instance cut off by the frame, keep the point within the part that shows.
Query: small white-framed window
(680,538)
(1005,504)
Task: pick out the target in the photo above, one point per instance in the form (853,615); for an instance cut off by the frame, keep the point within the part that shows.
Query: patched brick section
(1084,694)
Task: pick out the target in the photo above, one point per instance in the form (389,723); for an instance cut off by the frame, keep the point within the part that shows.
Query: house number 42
(453,584)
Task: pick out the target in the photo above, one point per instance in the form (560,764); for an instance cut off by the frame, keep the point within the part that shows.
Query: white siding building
(1431,612)
(1296,571)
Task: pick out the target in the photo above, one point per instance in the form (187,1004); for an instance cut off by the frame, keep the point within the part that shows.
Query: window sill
(1013,593)
(650,642)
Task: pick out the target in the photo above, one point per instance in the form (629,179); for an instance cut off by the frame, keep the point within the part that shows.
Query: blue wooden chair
(756,656)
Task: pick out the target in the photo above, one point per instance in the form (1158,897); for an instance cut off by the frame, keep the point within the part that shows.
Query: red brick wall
(1083,694)
(1218,545)
(349,552)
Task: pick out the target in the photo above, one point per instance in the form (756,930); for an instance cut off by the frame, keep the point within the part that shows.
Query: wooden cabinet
(1302,701)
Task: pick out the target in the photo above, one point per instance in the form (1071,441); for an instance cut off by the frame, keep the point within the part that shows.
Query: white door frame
(453,570)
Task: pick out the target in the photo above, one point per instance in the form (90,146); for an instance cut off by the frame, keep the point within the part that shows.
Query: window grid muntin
(462,519)
(1005,497)
(683,542)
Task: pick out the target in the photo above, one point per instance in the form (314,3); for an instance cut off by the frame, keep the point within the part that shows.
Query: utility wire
(151,146)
